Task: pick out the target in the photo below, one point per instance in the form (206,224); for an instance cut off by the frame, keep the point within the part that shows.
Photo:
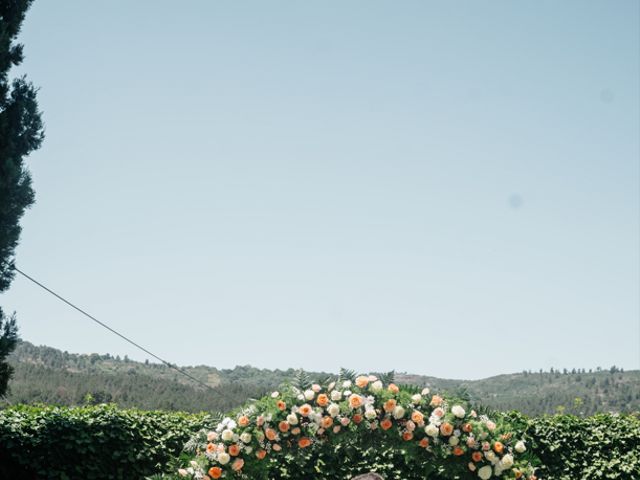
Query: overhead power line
(104,325)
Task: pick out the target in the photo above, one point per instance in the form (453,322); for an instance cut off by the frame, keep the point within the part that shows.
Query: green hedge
(104,442)
(99,442)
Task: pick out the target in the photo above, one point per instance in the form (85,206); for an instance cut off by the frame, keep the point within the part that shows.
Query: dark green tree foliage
(21,132)
(8,341)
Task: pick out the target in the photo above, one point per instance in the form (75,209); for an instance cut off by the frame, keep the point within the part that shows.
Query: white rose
(336,395)
(431,430)
(376,386)
(416,399)
(398,412)
(520,447)
(370,413)
(490,456)
(453,441)
(274,395)
(372,378)
(471,466)
(223,458)
(309,394)
(485,472)
(248,449)
(301,397)
(333,409)
(347,393)
(507,461)
(316,388)
(331,385)
(346,384)
(183,472)
(425,391)
(458,411)
(227,435)
(245,437)
(292,418)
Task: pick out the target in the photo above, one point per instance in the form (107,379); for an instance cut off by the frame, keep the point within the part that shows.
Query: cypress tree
(21,132)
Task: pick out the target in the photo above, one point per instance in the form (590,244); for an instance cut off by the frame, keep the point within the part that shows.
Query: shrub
(98,442)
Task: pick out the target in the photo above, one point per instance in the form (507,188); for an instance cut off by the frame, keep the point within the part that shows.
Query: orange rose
(283,426)
(271,434)
(215,472)
(457,451)
(355,401)
(362,381)
(424,443)
(498,447)
(386,424)
(237,465)
(304,442)
(243,421)
(281,405)
(261,454)
(476,456)
(389,405)
(210,447)
(446,429)
(436,401)
(357,418)
(326,422)
(393,388)
(467,427)
(417,417)
(322,400)
(234,450)
(305,410)
(406,436)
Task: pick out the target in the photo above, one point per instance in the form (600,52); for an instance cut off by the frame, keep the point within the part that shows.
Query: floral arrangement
(298,419)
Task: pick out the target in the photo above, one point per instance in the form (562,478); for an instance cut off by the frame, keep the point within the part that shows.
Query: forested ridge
(48,375)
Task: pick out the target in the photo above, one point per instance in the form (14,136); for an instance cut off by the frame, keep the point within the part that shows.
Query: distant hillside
(45,374)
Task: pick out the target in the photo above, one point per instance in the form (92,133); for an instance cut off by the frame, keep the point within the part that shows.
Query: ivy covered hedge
(98,442)
(104,442)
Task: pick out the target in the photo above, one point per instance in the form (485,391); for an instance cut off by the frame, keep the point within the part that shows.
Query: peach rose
(283,426)
(417,417)
(326,422)
(457,451)
(362,381)
(237,465)
(386,424)
(476,456)
(406,436)
(261,454)
(305,410)
(424,443)
(271,434)
(467,428)
(281,405)
(446,429)
(498,447)
(295,431)
(436,401)
(243,421)
(304,442)
(322,400)
(393,388)
(234,450)
(389,405)
(355,401)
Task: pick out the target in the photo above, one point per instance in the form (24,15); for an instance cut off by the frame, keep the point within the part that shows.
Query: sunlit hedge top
(447,432)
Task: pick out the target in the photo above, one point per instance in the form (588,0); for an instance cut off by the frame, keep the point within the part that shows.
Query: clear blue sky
(447,188)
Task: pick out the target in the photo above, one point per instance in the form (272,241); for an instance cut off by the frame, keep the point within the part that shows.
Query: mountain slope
(45,374)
